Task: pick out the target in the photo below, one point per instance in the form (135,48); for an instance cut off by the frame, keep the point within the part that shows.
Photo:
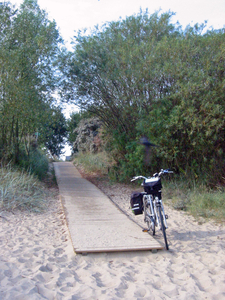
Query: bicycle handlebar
(167,171)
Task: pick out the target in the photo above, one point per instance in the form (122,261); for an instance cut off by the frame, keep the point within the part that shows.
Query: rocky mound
(88,139)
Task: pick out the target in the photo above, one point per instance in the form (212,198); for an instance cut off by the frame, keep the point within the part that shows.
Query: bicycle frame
(147,200)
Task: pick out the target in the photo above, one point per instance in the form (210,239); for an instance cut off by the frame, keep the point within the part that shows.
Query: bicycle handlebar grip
(134,178)
(167,171)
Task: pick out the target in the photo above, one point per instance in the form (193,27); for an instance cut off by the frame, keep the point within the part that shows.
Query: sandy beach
(37,260)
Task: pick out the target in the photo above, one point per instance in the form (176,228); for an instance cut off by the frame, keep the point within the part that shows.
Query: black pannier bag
(136,203)
(153,186)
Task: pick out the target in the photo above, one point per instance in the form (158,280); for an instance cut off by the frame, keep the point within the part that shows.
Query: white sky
(71,15)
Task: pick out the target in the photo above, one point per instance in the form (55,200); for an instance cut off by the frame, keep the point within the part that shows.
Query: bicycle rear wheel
(163,228)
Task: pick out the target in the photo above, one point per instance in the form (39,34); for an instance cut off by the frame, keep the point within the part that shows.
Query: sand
(37,260)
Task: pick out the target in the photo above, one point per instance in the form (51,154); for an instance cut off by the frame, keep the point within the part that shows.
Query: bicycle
(150,202)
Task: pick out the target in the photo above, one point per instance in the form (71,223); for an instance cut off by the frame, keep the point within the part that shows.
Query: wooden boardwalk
(95,223)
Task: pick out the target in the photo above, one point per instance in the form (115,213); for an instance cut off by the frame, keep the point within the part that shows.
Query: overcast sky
(71,15)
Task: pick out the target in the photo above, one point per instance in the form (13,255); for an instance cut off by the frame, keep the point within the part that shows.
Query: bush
(36,163)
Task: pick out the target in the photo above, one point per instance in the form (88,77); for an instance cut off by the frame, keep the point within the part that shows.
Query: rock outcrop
(88,139)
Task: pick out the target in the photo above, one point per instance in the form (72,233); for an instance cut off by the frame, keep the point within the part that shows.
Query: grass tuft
(21,190)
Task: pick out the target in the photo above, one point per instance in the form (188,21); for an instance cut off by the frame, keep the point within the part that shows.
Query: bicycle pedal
(166,216)
(144,230)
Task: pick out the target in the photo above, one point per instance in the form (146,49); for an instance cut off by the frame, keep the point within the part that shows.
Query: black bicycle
(150,202)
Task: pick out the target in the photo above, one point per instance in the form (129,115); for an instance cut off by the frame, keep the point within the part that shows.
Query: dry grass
(199,200)
(21,190)
(98,163)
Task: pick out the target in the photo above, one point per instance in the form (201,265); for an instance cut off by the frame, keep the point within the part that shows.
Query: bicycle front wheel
(163,228)
(149,217)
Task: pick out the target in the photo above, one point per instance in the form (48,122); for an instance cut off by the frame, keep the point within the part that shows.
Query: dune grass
(208,204)
(197,199)
(94,163)
(21,190)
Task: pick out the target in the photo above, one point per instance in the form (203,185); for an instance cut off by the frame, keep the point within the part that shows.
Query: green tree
(110,72)
(28,50)
(72,124)
(54,131)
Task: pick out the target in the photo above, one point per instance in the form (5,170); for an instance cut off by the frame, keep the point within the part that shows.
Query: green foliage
(144,76)
(192,129)
(53,131)
(133,158)
(72,124)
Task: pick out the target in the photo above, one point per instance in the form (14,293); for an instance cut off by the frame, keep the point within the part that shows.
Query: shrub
(36,163)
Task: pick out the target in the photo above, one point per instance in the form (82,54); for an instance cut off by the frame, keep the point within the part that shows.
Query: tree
(112,72)
(72,124)
(28,50)
(54,131)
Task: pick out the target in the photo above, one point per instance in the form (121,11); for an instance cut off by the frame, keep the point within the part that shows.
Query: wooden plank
(121,249)
(95,223)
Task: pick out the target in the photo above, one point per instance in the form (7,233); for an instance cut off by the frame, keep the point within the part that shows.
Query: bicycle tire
(154,223)
(163,228)
(153,226)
